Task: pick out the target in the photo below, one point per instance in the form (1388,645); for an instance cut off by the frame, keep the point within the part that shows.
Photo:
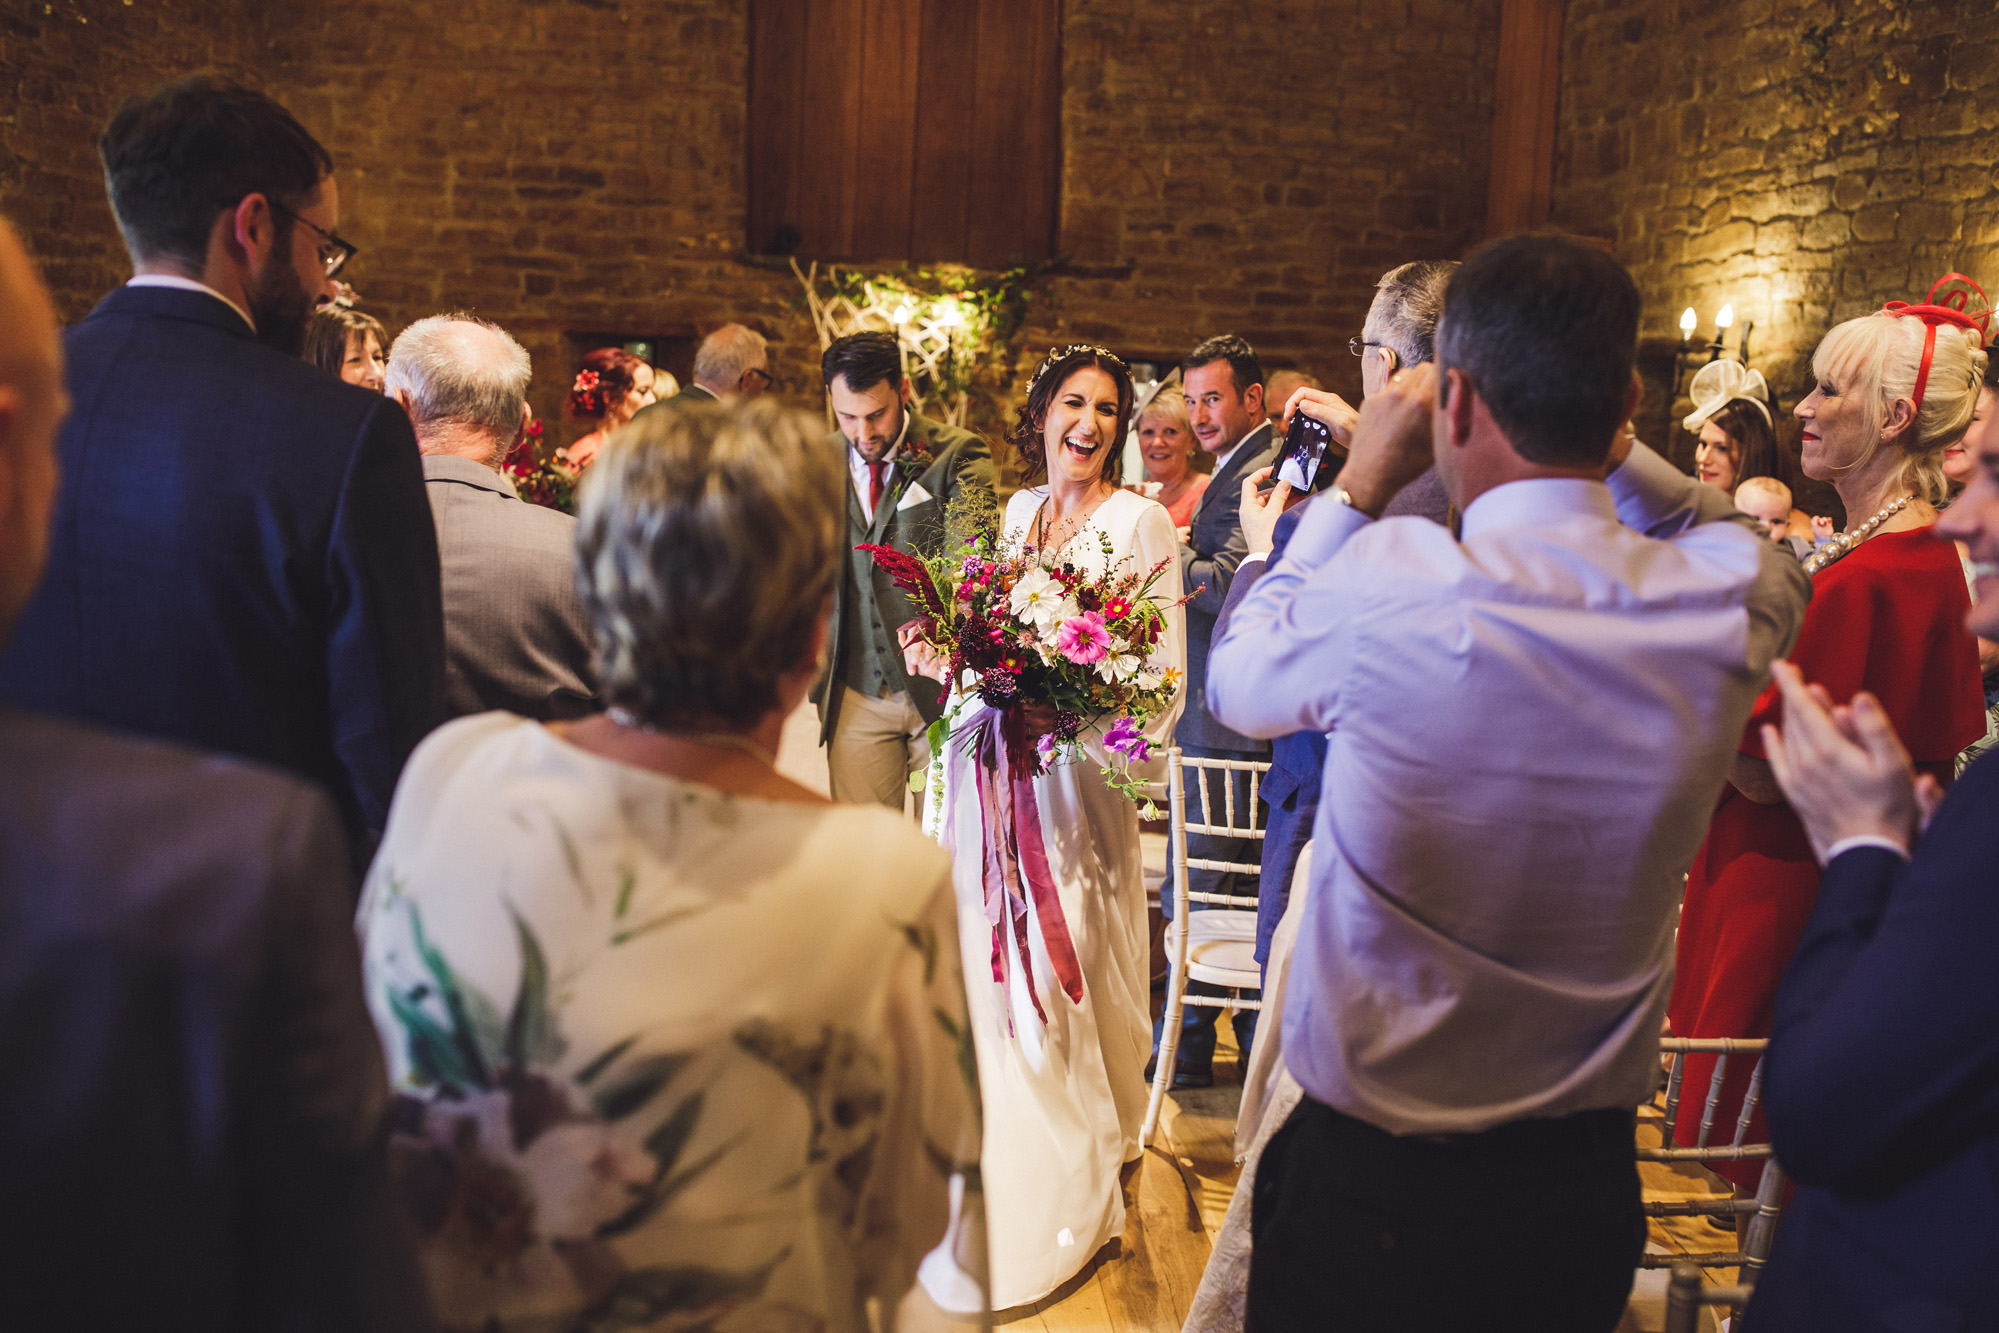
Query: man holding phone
(1399,332)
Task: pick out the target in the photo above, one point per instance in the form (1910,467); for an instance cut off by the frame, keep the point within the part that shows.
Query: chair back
(1238,820)
(1764,1210)
(1686,1294)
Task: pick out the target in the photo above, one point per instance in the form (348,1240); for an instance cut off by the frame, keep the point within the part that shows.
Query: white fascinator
(1719,383)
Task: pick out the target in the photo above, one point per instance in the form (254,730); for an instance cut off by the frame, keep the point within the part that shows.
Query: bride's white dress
(1064,1101)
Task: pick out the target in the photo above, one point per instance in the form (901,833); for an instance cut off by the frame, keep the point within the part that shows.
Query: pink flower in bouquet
(1126,739)
(1083,639)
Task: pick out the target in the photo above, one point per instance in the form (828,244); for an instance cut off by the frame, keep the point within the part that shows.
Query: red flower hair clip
(586,395)
(1947,302)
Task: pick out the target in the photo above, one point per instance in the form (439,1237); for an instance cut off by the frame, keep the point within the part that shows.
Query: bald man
(192,1117)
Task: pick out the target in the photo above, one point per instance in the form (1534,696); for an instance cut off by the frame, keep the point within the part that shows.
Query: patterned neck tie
(877,481)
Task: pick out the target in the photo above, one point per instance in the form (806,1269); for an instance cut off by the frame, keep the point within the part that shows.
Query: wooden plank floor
(1174,1196)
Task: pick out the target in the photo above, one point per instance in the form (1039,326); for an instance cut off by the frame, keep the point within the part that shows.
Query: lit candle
(1724,317)
(1687,321)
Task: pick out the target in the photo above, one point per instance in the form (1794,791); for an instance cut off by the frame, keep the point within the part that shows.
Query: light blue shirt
(1528,730)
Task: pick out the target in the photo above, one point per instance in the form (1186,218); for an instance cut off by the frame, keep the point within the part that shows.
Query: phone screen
(1304,449)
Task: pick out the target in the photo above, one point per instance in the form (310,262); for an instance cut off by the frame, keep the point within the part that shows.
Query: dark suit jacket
(515,636)
(1207,563)
(909,518)
(1298,761)
(191,1119)
(1883,1087)
(242,556)
(692,393)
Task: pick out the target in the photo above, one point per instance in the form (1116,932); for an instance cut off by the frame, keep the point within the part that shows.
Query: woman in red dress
(1887,616)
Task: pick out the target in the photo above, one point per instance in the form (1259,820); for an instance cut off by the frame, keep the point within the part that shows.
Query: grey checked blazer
(515,636)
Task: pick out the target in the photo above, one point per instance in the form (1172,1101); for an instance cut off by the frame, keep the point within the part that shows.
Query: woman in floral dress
(676,1043)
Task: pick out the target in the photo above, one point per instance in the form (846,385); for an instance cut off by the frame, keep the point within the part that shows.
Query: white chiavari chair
(1217,946)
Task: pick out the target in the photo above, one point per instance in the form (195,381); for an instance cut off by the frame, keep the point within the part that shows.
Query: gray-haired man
(515,636)
(732,362)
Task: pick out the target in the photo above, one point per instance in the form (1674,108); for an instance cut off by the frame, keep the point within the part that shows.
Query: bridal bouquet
(1024,628)
(1020,629)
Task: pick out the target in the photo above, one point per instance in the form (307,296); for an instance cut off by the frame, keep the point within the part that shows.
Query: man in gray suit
(1224,386)
(193,1083)
(515,636)
(903,471)
(732,362)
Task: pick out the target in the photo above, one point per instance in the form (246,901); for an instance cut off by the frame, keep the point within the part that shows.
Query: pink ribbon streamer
(1014,861)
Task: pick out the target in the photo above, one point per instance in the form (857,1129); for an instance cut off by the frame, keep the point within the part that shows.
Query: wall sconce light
(949,315)
(902,313)
(1724,320)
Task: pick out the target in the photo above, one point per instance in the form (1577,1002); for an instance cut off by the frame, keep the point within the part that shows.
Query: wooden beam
(1523,115)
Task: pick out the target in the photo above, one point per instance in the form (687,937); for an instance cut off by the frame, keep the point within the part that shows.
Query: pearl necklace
(1845,542)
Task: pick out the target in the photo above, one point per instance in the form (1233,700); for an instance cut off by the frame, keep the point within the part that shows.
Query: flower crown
(1952,307)
(1060,354)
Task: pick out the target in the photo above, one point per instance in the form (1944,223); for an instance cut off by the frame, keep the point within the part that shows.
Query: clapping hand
(1261,512)
(920,658)
(1843,769)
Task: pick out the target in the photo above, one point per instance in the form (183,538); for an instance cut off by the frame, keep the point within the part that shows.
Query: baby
(1769,500)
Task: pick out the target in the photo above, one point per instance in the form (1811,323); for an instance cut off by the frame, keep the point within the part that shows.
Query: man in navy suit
(243,557)
(1882,1082)
(1224,385)
(192,1122)
(1400,331)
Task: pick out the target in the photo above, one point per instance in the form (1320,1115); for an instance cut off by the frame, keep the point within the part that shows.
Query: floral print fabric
(665,1058)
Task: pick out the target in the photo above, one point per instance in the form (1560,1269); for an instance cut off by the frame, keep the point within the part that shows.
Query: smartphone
(1305,446)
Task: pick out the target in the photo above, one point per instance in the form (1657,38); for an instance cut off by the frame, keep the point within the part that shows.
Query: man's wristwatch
(1340,495)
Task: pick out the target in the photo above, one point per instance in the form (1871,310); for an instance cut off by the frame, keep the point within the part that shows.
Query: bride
(1063,1080)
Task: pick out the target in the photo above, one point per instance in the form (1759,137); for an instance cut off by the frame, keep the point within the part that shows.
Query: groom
(903,471)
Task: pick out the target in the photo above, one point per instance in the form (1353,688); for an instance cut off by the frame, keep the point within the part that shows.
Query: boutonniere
(914,460)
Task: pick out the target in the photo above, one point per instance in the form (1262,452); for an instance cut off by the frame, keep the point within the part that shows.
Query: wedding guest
(1880,1080)
(611,387)
(243,557)
(1278,391)
(732,362)
(192,1084)
(1474,1003)
(903,471)
(1062,997)
(1223,381)
(1768,501)
(1887,616)
(1400,331)
(1166,443)
(515,636)
(348,344)
(1960,456)
(733,1076)
(1400,326)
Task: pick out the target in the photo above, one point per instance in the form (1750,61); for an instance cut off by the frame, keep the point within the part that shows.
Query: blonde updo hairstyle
(1878,357)
(707,543)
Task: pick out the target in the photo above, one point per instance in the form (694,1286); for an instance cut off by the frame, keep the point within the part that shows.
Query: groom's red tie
(877,480)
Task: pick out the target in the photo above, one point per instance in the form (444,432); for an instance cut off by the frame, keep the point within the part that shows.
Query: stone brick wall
(1254,169)
(64,66)
(1805,160)
(571,167)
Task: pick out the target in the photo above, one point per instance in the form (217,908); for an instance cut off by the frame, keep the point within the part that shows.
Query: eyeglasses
(1359,346)
(333,252)
(762,374)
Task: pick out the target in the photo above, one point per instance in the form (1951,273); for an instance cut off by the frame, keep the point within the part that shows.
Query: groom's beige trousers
(877,744)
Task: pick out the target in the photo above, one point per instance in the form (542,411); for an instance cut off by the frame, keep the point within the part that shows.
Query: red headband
(1953,307)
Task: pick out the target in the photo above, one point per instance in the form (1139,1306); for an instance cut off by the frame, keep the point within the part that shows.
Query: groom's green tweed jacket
(867,606)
